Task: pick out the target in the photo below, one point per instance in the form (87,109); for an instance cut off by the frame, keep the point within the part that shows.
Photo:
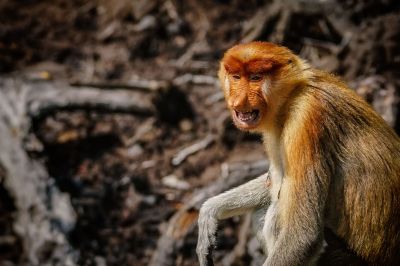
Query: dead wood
(253,28)
(46,97)
(38,211)
(198,146)
(44,215)
(202,25)
(141,85)
(278,36)
(152,85)
(195,79)
(240,248)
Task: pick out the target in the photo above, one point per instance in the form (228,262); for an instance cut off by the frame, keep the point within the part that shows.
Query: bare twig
(255,252)
(278,35)
(171,10)
(141,131)
(253,28)
(153,85)
(143,85)
(240,247)
(213,98)
(195,79)
(202,26)
(332,47)
(45,97)
(198,146)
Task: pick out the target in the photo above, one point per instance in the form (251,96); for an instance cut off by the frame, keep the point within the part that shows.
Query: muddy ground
(118,167)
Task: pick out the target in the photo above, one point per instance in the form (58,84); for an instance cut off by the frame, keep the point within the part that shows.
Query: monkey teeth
(248,117)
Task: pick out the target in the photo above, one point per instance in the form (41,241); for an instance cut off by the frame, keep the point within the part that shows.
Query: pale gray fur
(258,221)
(227,85)
(266,85)
(260,195)
(249,196)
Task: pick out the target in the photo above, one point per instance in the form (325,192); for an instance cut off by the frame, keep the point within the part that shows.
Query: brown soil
(111,170)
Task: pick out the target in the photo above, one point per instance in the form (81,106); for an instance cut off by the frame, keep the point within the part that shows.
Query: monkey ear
(223,78)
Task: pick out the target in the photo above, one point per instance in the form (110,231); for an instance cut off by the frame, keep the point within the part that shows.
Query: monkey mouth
(247,120)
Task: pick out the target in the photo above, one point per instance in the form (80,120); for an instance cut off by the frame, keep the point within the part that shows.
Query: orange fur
(340,160)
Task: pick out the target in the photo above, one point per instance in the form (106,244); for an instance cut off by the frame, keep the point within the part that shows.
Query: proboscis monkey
(334,163)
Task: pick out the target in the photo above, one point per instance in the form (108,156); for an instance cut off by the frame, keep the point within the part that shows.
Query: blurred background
(113,129)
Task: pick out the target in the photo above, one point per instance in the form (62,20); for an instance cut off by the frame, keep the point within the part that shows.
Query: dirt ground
(119,168)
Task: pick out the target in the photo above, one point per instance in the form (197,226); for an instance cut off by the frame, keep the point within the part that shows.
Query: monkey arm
(300,239)
(251,195)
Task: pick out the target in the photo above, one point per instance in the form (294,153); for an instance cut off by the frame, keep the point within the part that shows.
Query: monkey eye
(255,77)
(236,76)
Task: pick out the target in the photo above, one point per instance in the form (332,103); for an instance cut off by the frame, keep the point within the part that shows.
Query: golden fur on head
(278,68)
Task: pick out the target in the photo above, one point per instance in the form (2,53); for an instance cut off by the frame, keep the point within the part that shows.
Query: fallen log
(44,215)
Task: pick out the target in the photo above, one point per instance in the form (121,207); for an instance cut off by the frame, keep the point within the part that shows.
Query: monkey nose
(239,103)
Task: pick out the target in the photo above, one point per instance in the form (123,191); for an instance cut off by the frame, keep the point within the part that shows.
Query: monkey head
(251,75)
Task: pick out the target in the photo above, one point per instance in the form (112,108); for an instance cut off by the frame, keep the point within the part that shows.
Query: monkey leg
(249,196)
(336,252)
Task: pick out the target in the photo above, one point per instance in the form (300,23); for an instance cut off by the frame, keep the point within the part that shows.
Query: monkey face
(245,99)
(252,74)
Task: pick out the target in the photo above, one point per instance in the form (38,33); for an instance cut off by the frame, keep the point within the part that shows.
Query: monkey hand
(207,227)
(237,201)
